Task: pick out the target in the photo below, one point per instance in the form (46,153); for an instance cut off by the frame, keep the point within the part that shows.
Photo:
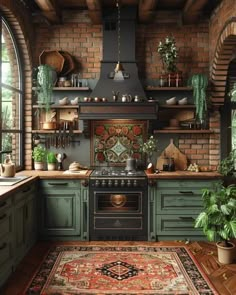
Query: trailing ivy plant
(199,82)
(44,87)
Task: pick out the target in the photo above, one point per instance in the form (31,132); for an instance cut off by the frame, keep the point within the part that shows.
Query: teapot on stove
(7,169)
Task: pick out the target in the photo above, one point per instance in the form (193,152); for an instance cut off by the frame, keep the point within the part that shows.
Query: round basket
(69,64)
(53,58)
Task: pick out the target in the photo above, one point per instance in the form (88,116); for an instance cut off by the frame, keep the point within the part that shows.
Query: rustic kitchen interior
(112,96)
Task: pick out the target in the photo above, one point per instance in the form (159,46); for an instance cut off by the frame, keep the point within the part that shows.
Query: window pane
(10,109)
(233,129)
(10,66)
(10,143)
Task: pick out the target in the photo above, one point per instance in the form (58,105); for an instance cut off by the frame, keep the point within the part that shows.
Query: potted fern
(51,161)
(218,219)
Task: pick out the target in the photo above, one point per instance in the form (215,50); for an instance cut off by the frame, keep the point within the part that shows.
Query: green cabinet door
(60,208)
(6,239)
(176,205)
(25,220)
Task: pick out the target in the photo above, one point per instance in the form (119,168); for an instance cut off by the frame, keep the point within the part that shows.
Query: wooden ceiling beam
(50,10)
(95,11)
(192,10)
(147,10)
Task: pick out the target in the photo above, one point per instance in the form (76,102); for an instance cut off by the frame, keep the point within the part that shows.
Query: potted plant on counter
(51,161)
(39,155)
(218,219)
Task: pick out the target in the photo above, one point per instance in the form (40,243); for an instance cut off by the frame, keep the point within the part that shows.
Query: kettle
(130,164)
(7,169)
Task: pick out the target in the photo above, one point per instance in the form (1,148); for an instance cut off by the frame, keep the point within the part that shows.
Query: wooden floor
(223,277)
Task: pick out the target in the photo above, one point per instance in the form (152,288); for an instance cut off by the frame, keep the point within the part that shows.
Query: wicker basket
(53,58)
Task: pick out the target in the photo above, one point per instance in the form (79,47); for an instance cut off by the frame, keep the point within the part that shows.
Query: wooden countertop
(34,175)
(184,175)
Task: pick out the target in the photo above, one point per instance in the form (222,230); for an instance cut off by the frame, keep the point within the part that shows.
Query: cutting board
(171,151)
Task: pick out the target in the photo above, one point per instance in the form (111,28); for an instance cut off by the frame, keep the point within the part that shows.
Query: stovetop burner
(116,172)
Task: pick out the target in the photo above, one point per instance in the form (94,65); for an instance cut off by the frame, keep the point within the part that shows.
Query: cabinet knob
(84,183)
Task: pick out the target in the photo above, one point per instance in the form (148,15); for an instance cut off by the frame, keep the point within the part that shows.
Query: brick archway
(225,52)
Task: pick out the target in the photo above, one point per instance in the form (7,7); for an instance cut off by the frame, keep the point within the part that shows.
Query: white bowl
(75,101)
(63,101)
(184,100)
(172,100)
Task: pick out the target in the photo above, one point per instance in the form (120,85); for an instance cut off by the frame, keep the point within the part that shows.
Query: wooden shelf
(57,106)
(183,88)
(44,131)
(72,88)
(177,106)
(184,131)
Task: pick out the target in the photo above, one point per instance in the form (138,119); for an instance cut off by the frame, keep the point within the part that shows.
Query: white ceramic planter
(226,255)
(38,165)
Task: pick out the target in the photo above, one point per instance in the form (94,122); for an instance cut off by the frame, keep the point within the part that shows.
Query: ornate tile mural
(112,141)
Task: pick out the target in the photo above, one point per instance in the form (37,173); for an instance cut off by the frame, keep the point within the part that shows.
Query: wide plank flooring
(223,277)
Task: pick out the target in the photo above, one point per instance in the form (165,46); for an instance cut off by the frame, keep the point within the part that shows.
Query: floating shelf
(154,88)
(56,106)
(72,88)
(55,131)
(177,106)
(183,131)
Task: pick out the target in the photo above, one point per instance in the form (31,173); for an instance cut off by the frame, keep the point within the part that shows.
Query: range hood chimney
(131,84)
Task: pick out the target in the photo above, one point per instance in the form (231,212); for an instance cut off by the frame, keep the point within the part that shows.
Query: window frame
(19,91)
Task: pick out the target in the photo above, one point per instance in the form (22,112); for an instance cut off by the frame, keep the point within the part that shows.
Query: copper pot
(49,125)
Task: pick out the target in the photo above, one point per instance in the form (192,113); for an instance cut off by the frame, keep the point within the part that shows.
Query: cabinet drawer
(5,204)
(59,183)
(171,201)
(185,184)
(24,192)
(5,223)
(176,225)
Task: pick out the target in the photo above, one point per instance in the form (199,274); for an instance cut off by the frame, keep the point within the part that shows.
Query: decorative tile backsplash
(113,141)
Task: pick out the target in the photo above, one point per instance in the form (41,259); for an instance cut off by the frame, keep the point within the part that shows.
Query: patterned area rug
(119,270)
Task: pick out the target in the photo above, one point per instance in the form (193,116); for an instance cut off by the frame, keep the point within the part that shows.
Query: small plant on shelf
(39,155)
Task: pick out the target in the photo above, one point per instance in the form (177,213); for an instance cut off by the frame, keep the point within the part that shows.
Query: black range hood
(131,84)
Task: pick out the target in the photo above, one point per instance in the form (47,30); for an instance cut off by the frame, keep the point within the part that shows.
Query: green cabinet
(25,220)
(6,239)
(61,209)
(174,205)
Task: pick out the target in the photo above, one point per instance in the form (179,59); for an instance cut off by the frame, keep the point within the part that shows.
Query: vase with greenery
(149,147)
(44,85)
(218,218)
(51,161)
(168,53)
(39,155)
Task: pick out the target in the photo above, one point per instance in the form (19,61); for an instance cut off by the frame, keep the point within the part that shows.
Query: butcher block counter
(184,175)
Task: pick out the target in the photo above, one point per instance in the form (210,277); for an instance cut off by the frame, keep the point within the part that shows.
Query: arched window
(11,102)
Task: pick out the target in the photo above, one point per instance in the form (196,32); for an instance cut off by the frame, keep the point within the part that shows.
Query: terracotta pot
(225,254)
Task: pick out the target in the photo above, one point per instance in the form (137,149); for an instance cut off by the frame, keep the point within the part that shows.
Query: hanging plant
(168,53)
(199,82)
(44,87)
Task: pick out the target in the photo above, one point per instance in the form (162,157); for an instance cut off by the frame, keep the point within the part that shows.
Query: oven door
(118,215)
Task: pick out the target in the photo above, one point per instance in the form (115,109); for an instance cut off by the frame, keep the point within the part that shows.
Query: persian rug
(119,270)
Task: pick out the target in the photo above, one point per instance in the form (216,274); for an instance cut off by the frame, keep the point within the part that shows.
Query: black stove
(118,204)
(117,172)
